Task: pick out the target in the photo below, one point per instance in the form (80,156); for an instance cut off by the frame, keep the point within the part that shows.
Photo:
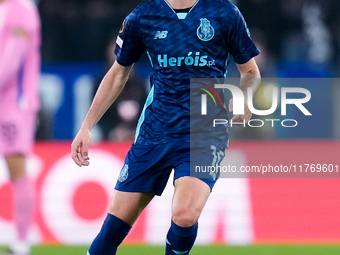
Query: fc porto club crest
(205,31)
(124,173)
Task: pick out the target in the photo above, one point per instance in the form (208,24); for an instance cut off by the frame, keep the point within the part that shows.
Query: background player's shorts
(17,130)
(147,167)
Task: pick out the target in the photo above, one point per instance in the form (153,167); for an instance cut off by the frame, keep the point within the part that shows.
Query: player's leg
(17,136)
(23,201)
(17,166)
(189,199)
(125,208)
(143,176)
(23,194)
(129,205)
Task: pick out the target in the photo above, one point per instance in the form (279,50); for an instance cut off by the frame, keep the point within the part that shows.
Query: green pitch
(198,250)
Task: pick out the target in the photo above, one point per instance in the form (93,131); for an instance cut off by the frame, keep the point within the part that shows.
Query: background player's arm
(13,53)
(250,77)
(109,89)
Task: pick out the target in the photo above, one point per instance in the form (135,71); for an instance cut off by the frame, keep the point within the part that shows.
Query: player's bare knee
(185,217)
(184,220)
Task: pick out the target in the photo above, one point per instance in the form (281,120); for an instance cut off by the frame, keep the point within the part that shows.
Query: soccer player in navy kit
(184,39)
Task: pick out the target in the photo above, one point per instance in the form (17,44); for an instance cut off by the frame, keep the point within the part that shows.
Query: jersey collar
(180,15)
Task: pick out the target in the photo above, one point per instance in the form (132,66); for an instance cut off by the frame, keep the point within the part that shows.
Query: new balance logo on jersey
(161,35)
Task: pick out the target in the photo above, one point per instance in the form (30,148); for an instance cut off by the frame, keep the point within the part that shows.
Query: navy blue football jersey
(180,47)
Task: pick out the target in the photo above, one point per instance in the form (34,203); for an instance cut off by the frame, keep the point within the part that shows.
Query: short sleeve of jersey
(240,45)
(129,44)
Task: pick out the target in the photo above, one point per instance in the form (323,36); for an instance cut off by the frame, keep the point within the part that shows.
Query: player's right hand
(80,148)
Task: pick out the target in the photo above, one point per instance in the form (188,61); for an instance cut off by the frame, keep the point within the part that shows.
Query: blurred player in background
(19,72)
(184,39)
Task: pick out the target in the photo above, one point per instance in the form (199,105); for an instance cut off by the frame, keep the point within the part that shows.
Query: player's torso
(188,47)
(18,22)
(179,49)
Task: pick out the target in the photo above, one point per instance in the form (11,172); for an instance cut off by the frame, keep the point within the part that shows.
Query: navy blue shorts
(147,167)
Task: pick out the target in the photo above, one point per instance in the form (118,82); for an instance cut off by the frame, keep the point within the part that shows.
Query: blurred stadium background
(297,38)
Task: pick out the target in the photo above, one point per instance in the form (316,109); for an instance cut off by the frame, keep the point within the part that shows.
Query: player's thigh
(189,199)
(16,165)
(127,206)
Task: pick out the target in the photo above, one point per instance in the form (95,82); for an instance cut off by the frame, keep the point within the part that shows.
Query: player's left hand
(240,118)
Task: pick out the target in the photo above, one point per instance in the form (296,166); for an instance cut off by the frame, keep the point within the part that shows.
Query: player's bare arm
(109,89)
(14,49)
(250,77)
